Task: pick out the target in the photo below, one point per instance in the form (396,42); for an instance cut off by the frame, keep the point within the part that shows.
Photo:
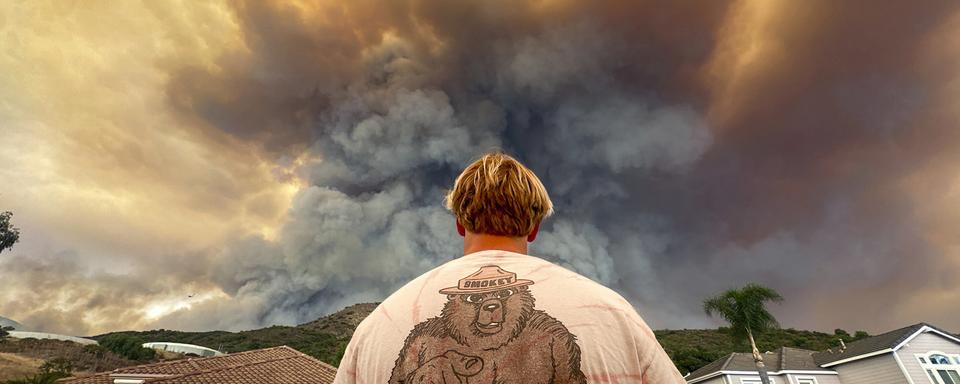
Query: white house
(52,336)
(918,354)
(182,348)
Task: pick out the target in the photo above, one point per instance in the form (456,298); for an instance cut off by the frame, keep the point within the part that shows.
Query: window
(939,359)
(941,368)
(807,380)
(949,377)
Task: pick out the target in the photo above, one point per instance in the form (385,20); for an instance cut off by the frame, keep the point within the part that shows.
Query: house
(918,354)
(264,366)
(181,348)
(785,366)
(51,336)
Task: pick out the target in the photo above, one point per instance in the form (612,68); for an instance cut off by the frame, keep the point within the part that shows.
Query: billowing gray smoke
(391,141)
(606,104)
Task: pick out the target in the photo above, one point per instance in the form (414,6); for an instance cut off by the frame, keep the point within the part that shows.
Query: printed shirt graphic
(503,317)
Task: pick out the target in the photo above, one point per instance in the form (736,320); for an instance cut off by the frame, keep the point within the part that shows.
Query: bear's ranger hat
(489,278)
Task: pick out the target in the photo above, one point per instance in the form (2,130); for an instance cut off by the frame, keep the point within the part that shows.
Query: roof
(874,344)
(784,359)
(794,359)
(52,336)
(271,365)
(182,348)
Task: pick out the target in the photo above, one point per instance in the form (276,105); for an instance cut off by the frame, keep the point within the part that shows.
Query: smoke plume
(689,147)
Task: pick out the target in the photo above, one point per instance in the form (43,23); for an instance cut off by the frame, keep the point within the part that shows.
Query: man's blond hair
(496,195)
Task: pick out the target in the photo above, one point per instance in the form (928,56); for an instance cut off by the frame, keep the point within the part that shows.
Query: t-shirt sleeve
(347,371)
(656,366)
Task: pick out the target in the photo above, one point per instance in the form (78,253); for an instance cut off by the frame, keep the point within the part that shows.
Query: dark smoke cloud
(608,104)
(564,94)
(673,176)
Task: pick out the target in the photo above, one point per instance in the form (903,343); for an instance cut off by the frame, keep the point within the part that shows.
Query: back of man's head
(497,195)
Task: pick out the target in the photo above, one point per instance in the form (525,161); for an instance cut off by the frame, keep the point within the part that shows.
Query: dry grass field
(14,366)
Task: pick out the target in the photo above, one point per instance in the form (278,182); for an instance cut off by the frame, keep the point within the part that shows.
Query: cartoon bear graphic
(489,332)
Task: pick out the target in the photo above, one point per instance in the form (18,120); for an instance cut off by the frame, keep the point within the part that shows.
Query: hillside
(342,323)
(693,348)
(13,366)
(20,358)
(326,337)
(6,322)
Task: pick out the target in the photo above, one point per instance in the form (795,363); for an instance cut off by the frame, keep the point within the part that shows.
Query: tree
(4,333)
(839,332)
(130,347)
(745,310)
(9,235)
(860,335)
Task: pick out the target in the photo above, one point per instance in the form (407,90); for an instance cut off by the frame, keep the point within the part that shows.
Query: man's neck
(476,242)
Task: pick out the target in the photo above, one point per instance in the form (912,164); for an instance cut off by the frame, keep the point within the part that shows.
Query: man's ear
(533,234)
(461,229)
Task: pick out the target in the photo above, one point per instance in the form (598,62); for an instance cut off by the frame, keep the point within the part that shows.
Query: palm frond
(744,308)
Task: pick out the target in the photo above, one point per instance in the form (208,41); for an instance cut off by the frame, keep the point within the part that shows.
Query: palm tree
(746,312)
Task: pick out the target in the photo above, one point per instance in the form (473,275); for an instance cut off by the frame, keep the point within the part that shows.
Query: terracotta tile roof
(263,366)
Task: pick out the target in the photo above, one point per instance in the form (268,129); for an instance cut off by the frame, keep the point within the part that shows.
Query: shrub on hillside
(130,347)
(51,371)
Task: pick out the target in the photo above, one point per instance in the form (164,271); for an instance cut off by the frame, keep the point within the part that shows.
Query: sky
(204,165)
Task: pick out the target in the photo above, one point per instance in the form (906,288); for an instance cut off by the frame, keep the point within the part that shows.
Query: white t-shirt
(504,317)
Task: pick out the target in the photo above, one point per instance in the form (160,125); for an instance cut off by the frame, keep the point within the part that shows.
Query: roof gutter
(858,357)
(774,373)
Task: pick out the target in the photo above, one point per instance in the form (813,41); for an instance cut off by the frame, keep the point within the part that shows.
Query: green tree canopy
(9,235)
(127,346)
(745,309)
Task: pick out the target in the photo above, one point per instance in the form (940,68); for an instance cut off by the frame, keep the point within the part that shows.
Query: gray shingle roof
(784,358)
(801,359)
(871,344)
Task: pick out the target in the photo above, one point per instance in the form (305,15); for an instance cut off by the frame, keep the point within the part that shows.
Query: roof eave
(857,357)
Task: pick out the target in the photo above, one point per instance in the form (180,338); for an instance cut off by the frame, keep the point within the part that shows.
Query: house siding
(715,380)
(735,379)
(882,369)
(922,344)
(821,379)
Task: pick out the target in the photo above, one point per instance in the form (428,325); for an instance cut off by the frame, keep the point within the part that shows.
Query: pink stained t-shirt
(504,317)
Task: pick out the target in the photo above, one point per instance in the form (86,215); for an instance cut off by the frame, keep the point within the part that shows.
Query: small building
(917,354)
(53,336)
(263,366)
(183,348)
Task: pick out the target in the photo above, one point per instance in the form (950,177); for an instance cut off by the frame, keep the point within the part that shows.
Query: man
(497,315)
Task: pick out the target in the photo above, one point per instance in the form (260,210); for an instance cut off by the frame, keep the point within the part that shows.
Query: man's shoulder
(575,283)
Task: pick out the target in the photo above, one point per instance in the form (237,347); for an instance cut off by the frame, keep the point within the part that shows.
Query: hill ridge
(326,337)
